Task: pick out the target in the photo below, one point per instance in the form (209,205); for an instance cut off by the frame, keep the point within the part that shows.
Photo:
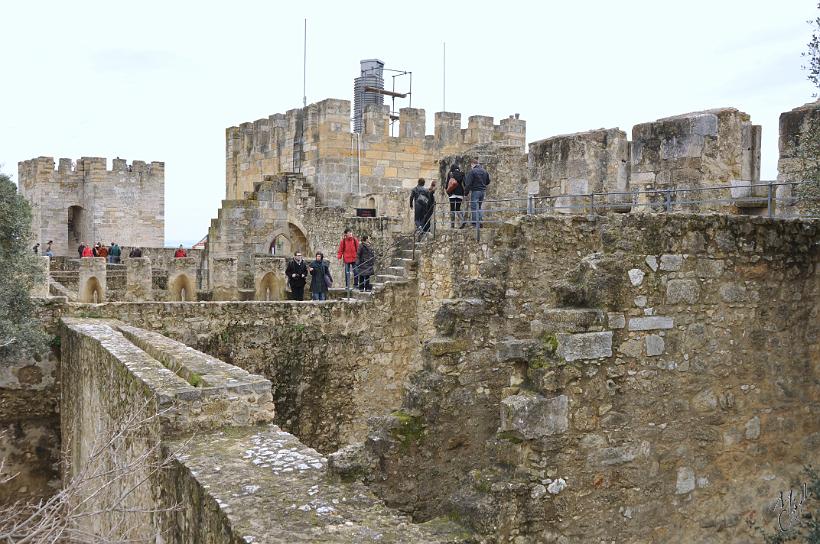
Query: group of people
(356,256)
(111,253)
(458,187)
(48,252)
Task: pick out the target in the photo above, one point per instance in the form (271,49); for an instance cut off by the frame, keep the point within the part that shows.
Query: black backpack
(423,199)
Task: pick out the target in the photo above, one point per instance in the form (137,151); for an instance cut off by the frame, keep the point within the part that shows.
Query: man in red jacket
(348,249)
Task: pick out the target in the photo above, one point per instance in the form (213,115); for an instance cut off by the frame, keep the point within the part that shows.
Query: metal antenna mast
(304,69)
(444,76)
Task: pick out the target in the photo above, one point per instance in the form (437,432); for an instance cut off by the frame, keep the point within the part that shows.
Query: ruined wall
(586,162)
(700,149)
(318,142)
(332,365)
(29,416)
(632,378)
(72,204)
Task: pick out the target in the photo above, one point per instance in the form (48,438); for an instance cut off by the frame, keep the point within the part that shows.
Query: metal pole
(304,69)
(668,200)
(444,77)
(769,203)
(530,204)
(592,204)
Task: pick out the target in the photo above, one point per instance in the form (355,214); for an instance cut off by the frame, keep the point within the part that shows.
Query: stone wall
(633,378)
(85,202)
(318,142)
(29,416)
(332,365)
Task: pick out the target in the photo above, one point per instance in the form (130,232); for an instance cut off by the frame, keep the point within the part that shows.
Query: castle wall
(338,162)
(655,375)
(86,202)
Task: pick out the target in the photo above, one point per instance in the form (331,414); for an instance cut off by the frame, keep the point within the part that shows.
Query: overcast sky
(162,80)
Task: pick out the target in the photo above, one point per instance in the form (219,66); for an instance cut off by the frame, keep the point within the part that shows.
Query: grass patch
(410,428)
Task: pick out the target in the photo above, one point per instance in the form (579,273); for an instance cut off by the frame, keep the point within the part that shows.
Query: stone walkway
(275,489)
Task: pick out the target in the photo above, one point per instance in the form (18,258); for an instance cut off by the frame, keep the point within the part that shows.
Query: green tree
(20,331)
(808,146)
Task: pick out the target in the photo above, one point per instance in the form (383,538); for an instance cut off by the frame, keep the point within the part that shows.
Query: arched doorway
(181,288)
(271,287)
(280,246)
(76,227)
(92,291)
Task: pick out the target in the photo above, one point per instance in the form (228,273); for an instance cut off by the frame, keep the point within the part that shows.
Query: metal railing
(775,199)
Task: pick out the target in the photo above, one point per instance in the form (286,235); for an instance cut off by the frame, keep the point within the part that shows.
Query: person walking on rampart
(87,251)
(418,210)
(365,263)
(296,272)
(348,248)
(49,252)
(455,192)
(476,183)
(430,208)
(180,252)
(319,278)
(102,251)
(135,252)
(114,253)
(36,248)
(81,249)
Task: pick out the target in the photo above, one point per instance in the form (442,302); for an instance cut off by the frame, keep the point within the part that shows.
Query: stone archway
(182,288)
(92,291)
(271,287)
(76,228)
(280,245)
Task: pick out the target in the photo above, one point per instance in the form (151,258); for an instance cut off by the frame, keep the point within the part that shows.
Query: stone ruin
(601,371)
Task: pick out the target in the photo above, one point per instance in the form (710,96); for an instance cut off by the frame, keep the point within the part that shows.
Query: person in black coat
(296,273)
(456,194)
(365,263)
(319,269)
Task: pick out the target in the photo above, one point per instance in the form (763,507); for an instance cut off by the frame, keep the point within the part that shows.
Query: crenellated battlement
(84,200)
(300,138)
(87,165)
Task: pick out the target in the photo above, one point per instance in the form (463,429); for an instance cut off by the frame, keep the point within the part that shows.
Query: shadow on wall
(181,287)
(92,291)
(271,287)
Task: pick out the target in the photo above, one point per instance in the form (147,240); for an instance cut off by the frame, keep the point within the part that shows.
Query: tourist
(81,249)
(455,192)
(431,207)
(419,207)
(348,248)
(296,273)
(476,183)
(87,251)
(365,263)
(114,253)
(102,251)
(135,253)
(180,252)
(320,280)
(36,248)
(49,252)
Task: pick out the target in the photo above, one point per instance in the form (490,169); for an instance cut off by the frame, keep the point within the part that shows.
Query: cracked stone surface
(273,489)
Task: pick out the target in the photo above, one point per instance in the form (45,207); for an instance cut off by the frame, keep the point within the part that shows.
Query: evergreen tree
(808,146)
(20,331)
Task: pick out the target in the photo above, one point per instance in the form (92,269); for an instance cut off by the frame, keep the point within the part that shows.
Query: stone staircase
(400,269)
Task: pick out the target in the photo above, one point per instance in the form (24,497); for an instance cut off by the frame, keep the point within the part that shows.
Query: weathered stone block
(534,416)
(591,345)
(654,345)
(671,263)
(682,291)
(636,276)
(650,323)
(138,279)
(515,350)
(732,292)
(685,481)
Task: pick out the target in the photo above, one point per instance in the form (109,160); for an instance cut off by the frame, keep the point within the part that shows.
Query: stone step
(572,319)
(399,271)
(384,278)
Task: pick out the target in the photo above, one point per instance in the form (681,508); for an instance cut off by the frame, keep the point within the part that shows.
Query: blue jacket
(477,179)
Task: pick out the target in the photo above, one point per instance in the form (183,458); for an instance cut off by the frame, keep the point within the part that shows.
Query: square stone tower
(86,202)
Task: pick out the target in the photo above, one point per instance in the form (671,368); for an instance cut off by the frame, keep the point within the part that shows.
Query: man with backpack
(348,250)
(455,192)
(419,202)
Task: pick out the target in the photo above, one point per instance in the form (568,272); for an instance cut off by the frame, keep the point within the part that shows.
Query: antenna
(304,69)
(444,76)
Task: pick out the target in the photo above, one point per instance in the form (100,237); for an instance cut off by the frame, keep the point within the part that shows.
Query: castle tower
(83,201)
(371,76)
